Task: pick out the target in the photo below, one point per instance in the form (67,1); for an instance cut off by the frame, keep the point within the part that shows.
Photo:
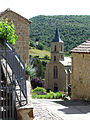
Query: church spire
(57,36)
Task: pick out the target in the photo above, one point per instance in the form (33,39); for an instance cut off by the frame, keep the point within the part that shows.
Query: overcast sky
(31,8)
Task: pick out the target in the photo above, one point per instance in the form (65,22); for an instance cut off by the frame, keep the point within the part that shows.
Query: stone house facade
(22,30)
(81,71)
(22,48)
(58,69)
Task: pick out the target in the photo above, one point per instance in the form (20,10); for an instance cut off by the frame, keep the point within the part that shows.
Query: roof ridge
(82,48)
(8,9)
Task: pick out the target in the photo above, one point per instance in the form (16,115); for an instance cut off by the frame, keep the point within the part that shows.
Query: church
(58,70)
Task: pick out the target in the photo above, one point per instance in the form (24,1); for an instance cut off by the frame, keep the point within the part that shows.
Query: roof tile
(83,48)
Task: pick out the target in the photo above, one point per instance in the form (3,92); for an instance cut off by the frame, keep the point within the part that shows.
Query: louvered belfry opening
(12,83)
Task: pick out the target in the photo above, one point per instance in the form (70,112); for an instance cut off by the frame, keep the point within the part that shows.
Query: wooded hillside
(73,29)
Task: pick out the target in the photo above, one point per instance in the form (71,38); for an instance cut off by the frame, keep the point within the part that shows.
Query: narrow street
(42,112)
(56,109)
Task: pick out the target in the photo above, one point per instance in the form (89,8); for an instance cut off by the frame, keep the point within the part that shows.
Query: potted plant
(27,71)
(7,33)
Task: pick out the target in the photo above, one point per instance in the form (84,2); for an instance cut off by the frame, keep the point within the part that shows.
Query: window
(62,56)
(54,58)
(55,48)
(55,72)
(61,47)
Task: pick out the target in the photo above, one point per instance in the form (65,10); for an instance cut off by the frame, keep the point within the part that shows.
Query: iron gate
(7,90)
(12,83)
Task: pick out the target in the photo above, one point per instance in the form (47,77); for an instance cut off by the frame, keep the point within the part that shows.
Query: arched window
(54,58)
(61,47)
(55,48)
(55,72)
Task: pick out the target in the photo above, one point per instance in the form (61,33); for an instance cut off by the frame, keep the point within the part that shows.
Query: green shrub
(39,89)
(34,95)
(58,95)
(32,44)
(50,95)
(46,57)
(40,46)
(27,69)
(7,32)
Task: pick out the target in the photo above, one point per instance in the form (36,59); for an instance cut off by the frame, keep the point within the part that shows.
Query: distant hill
(73,29)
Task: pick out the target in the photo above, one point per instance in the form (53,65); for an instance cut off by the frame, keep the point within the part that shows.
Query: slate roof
(67,61)
(57,36)
(83,48)
(8,10)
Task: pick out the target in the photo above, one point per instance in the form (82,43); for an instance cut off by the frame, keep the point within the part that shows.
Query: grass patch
(40,53)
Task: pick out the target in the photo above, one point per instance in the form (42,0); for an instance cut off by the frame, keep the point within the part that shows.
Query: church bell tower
(57,48)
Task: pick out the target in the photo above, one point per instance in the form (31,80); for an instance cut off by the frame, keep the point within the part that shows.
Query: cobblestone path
(41,112)
(56,109)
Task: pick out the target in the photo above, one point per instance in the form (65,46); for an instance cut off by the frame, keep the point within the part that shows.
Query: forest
(73,29)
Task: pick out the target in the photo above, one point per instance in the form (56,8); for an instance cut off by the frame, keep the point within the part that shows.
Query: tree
(73,29)
(39,66)
(40,46)
(46,57)
(32,44)
(7,32)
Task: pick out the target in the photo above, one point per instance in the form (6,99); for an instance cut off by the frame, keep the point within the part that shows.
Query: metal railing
(12,83)
(18,68)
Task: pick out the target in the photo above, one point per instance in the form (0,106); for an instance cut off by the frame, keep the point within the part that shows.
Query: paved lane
(56,109)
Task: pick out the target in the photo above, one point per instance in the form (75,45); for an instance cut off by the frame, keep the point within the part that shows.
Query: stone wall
(26,112)
(58,53)
(80,76)
(22,31)
(61,80)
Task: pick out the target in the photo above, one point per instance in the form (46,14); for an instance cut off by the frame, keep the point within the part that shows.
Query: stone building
(81,71)
(58,70)
(22,30)
(22,26)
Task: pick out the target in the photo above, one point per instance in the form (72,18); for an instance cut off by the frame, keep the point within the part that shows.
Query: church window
(54,58)
(62,56)
(61,47)
(55,48)
(55,72)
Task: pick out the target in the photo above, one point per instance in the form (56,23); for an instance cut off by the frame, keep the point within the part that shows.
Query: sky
(31,8)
